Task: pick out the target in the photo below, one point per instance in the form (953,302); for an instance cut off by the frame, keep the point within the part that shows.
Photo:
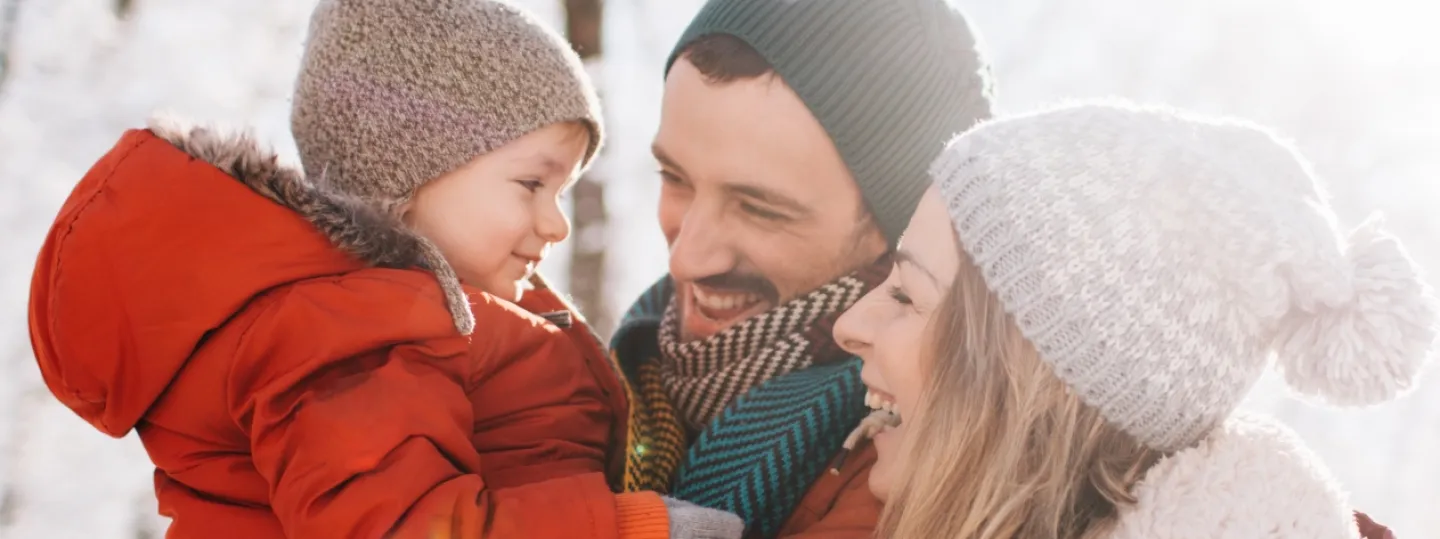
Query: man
(794,141)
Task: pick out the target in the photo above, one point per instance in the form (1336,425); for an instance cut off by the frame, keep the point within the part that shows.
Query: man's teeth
(724,302)
(877,402)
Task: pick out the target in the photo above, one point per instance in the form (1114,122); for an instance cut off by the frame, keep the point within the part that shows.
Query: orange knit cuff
(642,515)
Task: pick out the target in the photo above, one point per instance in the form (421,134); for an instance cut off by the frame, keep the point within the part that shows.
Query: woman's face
(886,328)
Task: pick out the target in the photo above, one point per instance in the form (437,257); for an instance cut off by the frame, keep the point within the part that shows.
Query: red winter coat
(285,388)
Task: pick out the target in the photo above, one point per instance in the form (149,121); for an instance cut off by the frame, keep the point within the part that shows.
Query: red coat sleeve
(359,440)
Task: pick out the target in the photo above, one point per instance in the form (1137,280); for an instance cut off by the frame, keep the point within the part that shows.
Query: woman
(1079,306)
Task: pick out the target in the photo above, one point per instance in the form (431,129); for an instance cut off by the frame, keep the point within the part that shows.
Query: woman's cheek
(907,409)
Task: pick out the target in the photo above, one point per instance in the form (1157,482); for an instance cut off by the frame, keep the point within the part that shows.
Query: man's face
(756,204)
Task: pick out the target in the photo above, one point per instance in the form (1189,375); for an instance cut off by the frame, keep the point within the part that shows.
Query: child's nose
(551,224)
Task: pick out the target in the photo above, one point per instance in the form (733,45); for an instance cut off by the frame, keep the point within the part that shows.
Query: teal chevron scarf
(760,450)
(760,454)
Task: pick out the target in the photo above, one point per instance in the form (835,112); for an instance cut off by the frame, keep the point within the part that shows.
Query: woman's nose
(853,331)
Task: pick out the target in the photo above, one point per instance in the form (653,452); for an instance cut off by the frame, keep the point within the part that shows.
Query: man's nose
(701,249)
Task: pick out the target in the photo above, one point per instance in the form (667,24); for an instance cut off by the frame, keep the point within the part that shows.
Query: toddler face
(495,218)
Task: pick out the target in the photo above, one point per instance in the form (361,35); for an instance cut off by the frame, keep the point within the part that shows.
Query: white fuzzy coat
(1250,479)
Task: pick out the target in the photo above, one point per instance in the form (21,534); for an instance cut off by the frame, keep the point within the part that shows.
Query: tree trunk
(583,24)
(9,17)
(123,8)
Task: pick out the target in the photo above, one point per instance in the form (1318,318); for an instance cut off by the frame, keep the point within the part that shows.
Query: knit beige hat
(395,93)
(1157,261)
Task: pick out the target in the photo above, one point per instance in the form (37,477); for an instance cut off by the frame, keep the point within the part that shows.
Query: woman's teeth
(876,402)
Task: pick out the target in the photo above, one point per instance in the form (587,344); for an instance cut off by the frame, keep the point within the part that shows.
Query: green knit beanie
(890,81)
(395,93)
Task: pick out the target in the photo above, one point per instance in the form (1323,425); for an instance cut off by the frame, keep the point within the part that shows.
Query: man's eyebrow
(665,159)
(904,257)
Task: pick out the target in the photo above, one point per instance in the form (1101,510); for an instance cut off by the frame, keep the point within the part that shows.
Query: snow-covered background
(1359,89)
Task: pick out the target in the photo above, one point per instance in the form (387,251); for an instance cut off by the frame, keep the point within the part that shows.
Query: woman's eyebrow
(905,257)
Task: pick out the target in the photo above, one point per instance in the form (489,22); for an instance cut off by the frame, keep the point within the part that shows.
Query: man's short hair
(722,58)
(890,81)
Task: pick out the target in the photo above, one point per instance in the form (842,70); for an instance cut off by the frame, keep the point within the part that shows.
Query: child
(335,352)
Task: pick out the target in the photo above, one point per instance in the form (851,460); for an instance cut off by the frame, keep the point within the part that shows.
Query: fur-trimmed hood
(283,386)
(164,240)
(1252,478)
(358,228)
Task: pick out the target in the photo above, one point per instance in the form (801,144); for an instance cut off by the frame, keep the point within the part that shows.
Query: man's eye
(670,178)
(762,213)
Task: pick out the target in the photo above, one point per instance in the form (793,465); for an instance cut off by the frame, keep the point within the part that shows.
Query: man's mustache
(734,282)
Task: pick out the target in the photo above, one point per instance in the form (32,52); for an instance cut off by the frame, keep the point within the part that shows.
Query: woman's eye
(899,296)
(531,184)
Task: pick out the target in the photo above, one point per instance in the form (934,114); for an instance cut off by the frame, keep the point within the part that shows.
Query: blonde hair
(1000,449)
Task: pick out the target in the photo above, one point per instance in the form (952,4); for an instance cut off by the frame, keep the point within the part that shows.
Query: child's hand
(690,521)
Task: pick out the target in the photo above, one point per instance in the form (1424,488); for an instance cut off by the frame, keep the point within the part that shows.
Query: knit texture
(704,376)
(395,93)
(656,437)
(1158,260)
(641,515)
(889,81)
(656,441)
(760,455)
(691,521)
(764,448)
(1250,478)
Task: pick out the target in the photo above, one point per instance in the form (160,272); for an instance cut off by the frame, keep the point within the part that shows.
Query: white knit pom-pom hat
(1157,260)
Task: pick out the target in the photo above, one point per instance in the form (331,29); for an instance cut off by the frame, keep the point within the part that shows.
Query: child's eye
(531,184)
(899,296)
